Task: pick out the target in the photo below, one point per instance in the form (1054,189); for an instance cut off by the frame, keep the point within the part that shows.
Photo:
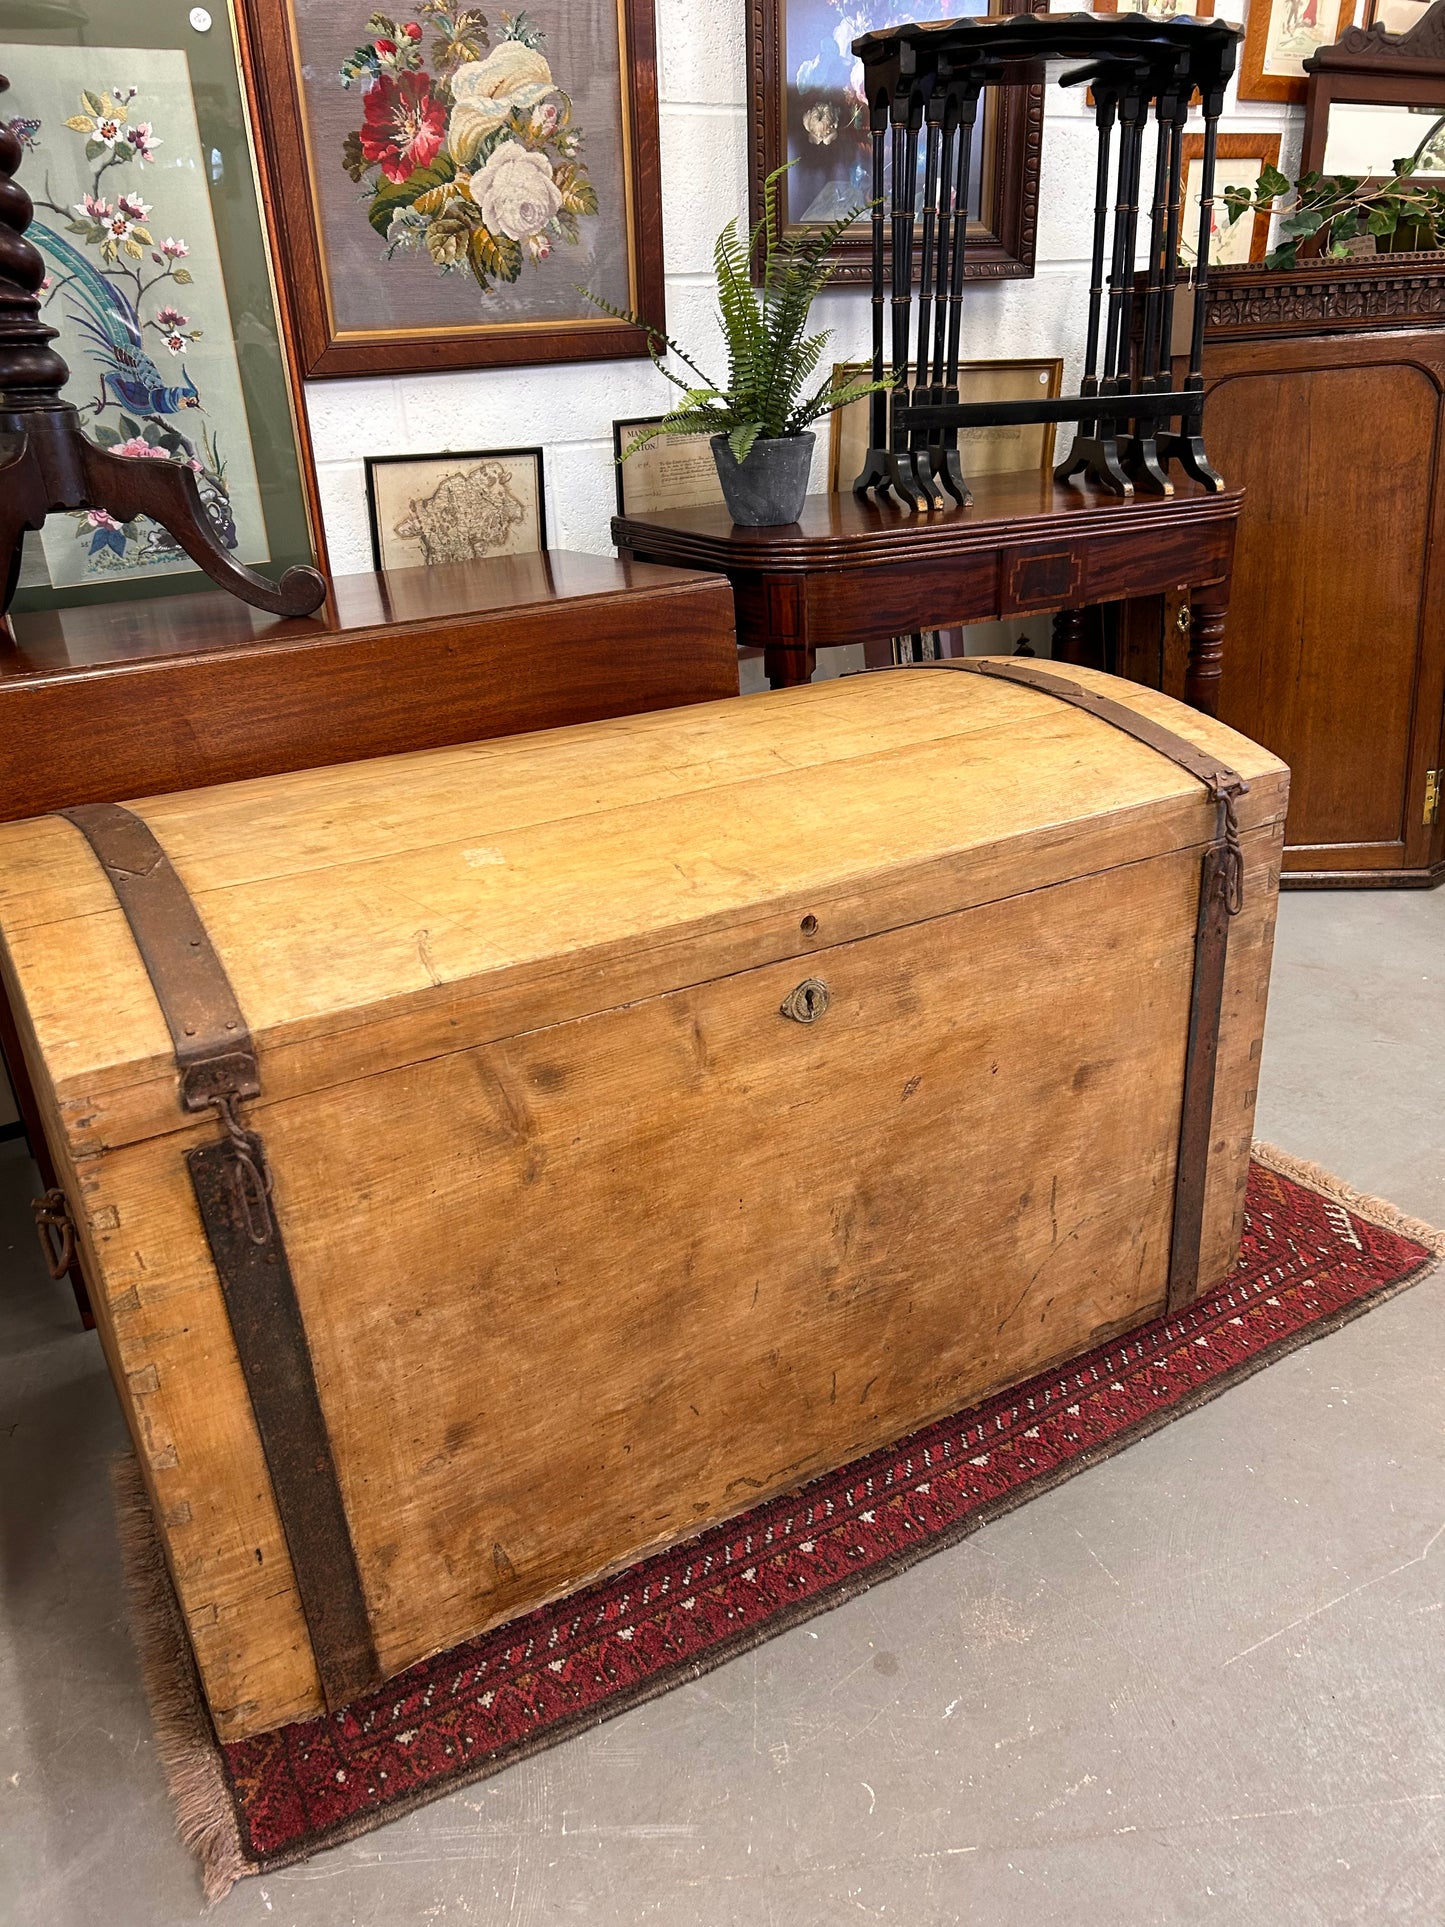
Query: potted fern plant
(759,418)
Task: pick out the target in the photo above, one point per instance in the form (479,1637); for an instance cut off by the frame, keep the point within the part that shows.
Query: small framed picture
(1006,448)
(1279,37)
(1158,9)
(674,472)
(1239,162)
(455,507)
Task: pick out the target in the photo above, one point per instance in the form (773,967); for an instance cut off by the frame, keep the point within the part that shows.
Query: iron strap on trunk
(216,1060)
(1221,897)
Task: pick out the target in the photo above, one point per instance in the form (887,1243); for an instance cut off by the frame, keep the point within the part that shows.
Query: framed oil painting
(1239,162)
(428,510)
(1006,448)
(158,282)
(674,472)
(446,183)
(1279,37)
(805,105)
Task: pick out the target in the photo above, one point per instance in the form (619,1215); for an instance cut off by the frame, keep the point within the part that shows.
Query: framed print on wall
(1279,36)
(805,106)
(138,159)
(1005,448)
(446,183)
(428,510)
(1240,160)
(1158,9)
(674,472)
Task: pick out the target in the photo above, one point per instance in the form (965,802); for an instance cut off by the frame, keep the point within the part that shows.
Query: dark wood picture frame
(415,457)
(1254,83)
(1372,67)
(266,35)
(1001,247)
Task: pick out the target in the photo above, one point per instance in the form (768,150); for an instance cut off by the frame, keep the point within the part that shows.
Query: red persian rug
(1314,1256)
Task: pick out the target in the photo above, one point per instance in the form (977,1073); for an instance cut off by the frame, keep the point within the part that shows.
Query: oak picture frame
(1261,17)
(1000,245)
(274,72)
(1258,146)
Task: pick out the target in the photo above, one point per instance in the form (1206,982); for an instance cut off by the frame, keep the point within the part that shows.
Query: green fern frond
(771,358)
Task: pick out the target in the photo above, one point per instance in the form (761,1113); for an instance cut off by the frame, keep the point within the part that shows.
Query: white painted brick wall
(569,409)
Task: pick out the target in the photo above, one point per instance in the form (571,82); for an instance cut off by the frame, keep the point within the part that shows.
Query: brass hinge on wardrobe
(1432,795)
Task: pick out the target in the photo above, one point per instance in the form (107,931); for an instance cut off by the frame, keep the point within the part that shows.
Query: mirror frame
(1369,67)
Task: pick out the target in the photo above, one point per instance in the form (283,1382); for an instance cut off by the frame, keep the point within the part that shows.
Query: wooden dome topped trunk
(498,1160)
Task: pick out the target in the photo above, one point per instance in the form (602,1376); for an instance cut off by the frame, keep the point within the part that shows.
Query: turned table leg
(1071,637)
(1207,611)
(788,657)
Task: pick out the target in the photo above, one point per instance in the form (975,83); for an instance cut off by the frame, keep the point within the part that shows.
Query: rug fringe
(185,1739)
(1378,1211)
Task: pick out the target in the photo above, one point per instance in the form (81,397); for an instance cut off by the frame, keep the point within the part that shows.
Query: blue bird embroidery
(107,317)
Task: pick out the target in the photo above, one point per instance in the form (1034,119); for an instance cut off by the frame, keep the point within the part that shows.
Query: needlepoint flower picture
(467,172)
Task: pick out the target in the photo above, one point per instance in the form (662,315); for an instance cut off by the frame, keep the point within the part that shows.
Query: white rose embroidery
(515,191)
(486,91)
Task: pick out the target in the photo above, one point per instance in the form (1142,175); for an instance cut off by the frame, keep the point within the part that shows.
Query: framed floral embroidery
(444,183)
(158,284)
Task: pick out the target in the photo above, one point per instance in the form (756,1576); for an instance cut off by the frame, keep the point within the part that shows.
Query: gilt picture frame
(428,511)
(1011,448)
(445,184)
(800,107)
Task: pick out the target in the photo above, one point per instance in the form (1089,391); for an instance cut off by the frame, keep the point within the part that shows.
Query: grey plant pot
(770,487)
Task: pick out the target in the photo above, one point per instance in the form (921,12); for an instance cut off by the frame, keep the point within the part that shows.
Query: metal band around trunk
(1221,896)
(216,1060)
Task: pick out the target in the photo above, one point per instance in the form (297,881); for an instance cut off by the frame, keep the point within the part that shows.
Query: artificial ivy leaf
(1382,220)
(1272,182)
(1302,222)
(1284,257)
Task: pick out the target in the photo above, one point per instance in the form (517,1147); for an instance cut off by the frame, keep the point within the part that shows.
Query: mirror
(1369,137)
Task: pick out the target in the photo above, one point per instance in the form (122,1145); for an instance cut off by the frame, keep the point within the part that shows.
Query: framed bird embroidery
(165,338)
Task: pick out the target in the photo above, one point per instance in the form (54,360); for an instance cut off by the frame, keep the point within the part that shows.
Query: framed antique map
(158,282)
(805,105)
(449,184)
(428,510)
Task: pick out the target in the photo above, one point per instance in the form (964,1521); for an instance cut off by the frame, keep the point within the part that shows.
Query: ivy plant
(1339,209)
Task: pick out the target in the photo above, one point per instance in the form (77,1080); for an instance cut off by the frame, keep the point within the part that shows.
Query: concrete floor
(1201,1683)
